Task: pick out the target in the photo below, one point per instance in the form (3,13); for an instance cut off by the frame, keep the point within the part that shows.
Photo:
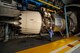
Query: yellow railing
(48,4)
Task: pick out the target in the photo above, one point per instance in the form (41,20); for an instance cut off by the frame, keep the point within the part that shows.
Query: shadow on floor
(15,45)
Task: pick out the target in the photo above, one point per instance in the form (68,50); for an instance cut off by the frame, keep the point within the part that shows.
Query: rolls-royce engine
(33,22)
(14,22)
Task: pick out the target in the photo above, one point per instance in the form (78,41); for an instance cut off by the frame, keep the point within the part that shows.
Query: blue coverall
(51,33)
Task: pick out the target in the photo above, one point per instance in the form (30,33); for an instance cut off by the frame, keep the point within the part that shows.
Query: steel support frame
(66,18)
(6,33)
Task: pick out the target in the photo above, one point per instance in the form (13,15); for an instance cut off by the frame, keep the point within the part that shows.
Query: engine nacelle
(31,22)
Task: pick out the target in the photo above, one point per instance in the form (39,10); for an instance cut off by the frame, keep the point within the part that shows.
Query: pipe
(76,5)
(48,4)
(11,22)
(66,19)
(51,10)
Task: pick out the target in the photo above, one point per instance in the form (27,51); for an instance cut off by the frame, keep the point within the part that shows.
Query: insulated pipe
(48,4)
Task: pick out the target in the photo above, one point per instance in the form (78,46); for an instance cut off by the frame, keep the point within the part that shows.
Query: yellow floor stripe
(64,50)
(67,48)
(76,43)
(47,48)
(74,49)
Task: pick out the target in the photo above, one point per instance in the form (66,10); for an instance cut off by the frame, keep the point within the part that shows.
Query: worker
(19,6)
(51,33)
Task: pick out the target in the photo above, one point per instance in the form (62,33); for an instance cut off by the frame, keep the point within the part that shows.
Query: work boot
(51,39)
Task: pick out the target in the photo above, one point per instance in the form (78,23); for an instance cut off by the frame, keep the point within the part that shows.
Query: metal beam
(6,33)
(66,18)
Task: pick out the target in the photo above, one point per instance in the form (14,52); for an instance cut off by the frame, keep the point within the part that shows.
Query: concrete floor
(66,45)
(77,50)
(15,45)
